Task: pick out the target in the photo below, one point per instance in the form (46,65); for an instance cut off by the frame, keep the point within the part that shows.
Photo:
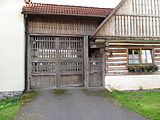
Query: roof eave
(30,13)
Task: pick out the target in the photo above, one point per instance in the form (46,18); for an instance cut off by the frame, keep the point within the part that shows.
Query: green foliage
(27,96)
(10,106)
(9,113)
(60,91)
(95,92)
(144,103)
(149,68)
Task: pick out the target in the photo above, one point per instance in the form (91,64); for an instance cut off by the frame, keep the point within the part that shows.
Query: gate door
(95,73)
(56,61)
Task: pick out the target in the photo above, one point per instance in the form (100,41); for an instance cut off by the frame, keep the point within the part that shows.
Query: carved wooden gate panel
(96,72)
(56,61)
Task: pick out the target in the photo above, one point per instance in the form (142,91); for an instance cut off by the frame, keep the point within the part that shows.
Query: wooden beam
(29,65)
(103,69)
(61,14)
(86,62)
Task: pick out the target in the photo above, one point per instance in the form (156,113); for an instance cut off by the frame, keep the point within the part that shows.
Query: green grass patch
(145,103)
(10,107)
(95,92)
(60,91)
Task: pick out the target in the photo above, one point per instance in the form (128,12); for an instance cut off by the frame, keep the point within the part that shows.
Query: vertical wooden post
(57,64)
(29,64)
(86,62)
(26,85)
(103,69)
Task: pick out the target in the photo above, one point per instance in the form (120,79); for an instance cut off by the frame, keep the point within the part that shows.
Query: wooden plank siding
(149,7)
(136,26)
(134,18)
(63,25)
(117,56)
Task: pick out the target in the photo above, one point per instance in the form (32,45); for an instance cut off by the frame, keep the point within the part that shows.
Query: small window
(140,56)
(146,56)
(134,56)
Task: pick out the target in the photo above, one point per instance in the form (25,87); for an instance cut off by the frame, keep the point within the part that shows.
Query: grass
(60,91)
(10,107)
(146,103)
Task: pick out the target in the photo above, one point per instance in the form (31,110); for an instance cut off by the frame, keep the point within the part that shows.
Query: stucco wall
(133,82)
(12,45)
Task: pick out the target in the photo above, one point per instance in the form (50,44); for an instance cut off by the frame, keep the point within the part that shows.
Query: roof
(108,17)
(53,9)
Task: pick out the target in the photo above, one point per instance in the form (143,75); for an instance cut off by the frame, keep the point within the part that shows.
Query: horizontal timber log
(131,73)
(131,46)
(97,43)
(157,50)
(116,60)
(116,64)
(157,59)
(118,55)
(116,68)
(116,50)
(157,55)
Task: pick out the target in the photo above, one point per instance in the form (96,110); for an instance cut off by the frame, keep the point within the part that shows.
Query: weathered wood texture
(95,72)
(141,26)
(117,56)
(86,62)
(56,61)
(149,7)
(63,25)
(135,18)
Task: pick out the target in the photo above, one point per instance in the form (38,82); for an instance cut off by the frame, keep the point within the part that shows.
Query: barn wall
(12,46)
(136,18)
(108,29)
(63,25)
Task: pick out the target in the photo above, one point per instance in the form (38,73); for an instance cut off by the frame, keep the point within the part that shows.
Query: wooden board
(95,72)
(63,25)
(56,61)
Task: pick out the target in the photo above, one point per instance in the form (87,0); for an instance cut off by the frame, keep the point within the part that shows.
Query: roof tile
(40,8)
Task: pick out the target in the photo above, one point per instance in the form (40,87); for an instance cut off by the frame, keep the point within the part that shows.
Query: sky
(90,3)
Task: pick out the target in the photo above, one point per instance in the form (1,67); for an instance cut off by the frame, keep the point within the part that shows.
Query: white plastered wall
(12,45)
(132,82)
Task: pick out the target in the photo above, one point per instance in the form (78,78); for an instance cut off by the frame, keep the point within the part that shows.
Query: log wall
(117,56)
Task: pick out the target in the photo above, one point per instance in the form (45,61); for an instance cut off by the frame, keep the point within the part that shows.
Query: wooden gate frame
(28,55)
(103,69)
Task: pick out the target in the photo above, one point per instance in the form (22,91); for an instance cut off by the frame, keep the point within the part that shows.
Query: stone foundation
(10,94)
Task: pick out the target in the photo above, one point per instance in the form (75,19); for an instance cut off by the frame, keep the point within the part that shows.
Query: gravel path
(74,105)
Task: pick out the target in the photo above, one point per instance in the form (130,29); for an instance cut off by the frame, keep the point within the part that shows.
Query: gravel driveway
(75,104)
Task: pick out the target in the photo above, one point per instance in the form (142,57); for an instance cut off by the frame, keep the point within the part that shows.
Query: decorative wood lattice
(61,57)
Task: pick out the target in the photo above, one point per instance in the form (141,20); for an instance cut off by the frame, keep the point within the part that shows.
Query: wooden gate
(96,73)
(55,61)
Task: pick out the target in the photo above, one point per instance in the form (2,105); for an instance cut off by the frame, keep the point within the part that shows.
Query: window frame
(140,57)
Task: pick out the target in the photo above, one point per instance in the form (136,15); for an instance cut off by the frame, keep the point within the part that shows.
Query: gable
(136,18)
